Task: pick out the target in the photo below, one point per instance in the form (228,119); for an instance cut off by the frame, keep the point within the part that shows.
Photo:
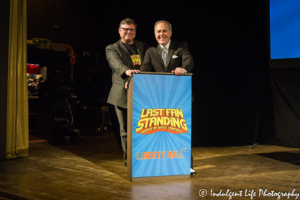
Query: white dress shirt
(167,47)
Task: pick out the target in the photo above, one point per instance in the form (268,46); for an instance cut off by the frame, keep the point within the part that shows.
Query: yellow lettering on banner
(155,113)
(141,126)
(168,112)
(183,124)
(152,121)
(167,121)
(143,114)
(172,112)
(146,122)
(159,121)
(179,113)
(160,111)
(149,112)
(176,122)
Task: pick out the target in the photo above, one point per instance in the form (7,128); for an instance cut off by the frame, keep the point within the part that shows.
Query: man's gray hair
(163,21)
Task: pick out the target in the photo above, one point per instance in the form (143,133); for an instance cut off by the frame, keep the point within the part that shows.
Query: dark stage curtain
(233,106)
(286,97)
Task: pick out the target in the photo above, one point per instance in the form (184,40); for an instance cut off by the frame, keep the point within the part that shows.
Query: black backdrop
(228,40)
(286,98)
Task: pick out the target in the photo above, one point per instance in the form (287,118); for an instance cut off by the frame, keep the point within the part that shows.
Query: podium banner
(161,125)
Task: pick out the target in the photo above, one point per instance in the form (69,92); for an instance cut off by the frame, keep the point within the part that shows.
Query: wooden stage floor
(94,169)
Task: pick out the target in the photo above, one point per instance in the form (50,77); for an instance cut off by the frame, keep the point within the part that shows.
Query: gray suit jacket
(119,61)
(178,56)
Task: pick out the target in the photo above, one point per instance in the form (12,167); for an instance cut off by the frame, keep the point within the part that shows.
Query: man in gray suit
(124,58)
(168,56)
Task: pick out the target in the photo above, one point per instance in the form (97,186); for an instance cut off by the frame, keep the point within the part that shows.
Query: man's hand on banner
(179,71)
(129,72)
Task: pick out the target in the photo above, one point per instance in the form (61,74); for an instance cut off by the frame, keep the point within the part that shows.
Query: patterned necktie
(164,56)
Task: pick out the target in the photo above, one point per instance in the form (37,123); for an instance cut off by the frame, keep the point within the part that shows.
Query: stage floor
(93,169)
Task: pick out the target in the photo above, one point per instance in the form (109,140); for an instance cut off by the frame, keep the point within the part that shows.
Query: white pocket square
(174,56)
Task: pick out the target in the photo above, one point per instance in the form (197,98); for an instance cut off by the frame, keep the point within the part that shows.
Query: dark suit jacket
(178,56)
(119,60)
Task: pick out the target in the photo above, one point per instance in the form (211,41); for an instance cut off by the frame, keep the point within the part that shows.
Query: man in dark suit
(168,56)
(124,58)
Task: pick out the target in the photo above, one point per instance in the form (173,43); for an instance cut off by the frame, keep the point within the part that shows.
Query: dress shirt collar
(167,46)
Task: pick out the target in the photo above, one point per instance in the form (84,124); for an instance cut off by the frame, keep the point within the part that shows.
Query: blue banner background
(284,29)
(161,92)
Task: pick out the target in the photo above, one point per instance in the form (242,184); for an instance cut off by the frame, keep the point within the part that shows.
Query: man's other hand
(130,72)
(179,71)
(126,85)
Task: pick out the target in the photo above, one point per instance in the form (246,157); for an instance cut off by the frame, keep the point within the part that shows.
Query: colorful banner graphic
(161,138)
(154,120)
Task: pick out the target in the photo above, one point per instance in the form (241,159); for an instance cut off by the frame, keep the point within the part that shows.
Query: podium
(159,126)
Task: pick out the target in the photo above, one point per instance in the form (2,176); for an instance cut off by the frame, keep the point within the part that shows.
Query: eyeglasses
(128,29)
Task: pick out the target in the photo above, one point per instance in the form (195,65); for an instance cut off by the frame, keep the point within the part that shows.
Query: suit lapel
(122,46)
(170,53)
(139,47)
(160,60)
